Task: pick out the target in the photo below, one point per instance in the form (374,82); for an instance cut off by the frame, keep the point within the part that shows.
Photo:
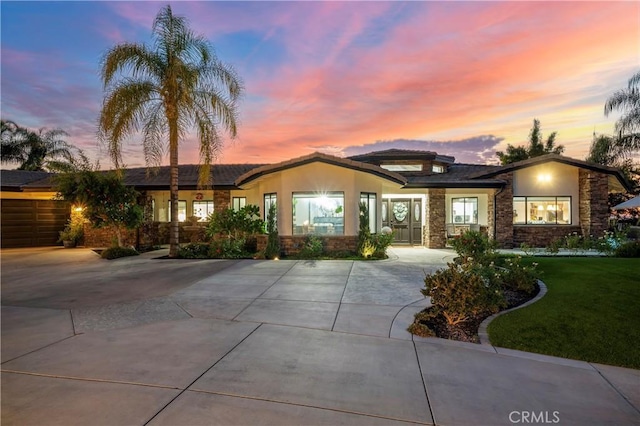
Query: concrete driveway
(142,340)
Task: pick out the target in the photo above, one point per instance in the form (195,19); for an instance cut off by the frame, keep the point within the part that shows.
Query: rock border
(482,330)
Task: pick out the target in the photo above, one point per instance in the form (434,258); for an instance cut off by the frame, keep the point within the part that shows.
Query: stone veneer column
(504,212)
(593,203)
(221,199)
(491,231)
(435,230)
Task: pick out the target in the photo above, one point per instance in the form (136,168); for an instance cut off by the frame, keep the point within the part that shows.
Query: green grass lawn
(591,312)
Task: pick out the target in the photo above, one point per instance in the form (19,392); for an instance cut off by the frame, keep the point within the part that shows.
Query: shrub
(554,246)
(474,245)
(364,233)
(459,293)
(630,249)
(116,252)
(367,249)
(516,276)
(312,248)
(225,248)
(235,224)
(194,251)
(273,241)
(73,230)
(381,242)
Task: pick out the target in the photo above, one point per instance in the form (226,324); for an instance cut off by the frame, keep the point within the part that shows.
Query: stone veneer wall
(491,231)
(541,236)
(504,212)
(435,219)
(104,237)
(221,199)
(293,244)
(593,204)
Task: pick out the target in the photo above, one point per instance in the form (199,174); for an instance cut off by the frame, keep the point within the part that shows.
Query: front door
(404,216)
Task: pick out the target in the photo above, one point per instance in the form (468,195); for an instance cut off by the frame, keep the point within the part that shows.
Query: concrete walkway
(140,340)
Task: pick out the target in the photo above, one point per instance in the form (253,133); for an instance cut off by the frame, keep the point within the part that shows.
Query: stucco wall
(316,178)
(563,182)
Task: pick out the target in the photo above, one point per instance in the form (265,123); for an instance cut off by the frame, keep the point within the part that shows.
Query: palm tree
(628,126)
(176,84)
(35,151)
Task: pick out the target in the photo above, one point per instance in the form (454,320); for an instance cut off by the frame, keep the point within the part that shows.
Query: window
(202,209)
(542,210)
(239,202)
(269,199)
(402,167)
(437,168)
(369,198)
(318,213)
(464,210)
(182,211)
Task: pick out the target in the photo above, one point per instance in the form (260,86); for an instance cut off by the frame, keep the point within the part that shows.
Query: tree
(106,200)
(628,125)
(608,151)
(35,150)
(164,90)
(536,147)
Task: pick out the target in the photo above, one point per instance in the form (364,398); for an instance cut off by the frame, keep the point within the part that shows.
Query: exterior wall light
(544,178)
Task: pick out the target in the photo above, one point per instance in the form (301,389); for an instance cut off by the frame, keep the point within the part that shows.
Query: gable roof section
(401,154)
(559,159)
(321,158)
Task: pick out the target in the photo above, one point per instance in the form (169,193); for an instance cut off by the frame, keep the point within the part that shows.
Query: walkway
(266,342)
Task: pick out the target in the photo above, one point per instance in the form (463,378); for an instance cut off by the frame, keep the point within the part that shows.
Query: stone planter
(69,244)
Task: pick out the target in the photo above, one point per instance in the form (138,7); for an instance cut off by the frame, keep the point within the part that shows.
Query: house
(421,195)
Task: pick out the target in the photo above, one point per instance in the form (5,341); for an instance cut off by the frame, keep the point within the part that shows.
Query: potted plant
(72,233)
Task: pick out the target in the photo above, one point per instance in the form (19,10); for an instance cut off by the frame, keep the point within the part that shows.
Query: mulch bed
(467,331)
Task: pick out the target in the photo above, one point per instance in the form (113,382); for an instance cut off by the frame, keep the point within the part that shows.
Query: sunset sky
(458,78)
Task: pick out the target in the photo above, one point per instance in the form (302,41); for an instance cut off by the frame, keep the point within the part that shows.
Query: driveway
(142,340)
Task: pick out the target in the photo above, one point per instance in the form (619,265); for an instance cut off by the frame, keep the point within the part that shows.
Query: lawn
(591,312)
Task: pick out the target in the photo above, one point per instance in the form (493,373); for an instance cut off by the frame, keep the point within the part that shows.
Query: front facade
(422,196)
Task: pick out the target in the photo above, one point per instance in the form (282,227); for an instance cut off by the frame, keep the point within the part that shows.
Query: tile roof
(323,158)
(222,175)
(457,176)
(15,180)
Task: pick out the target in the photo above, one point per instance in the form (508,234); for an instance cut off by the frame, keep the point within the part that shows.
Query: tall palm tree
(628,126)
(165,89)
(35,150)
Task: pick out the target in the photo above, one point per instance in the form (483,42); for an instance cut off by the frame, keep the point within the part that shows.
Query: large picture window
(202,209)
(182,210)
(542,210)
(369,198)
(464,210)
(321,214)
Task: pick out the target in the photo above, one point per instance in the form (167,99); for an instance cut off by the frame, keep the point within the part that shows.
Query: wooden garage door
(32,223)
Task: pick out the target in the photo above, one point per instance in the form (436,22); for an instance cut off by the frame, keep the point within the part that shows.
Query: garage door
(32,223)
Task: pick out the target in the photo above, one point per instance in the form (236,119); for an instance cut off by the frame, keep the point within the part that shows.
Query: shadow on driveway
(56,278)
